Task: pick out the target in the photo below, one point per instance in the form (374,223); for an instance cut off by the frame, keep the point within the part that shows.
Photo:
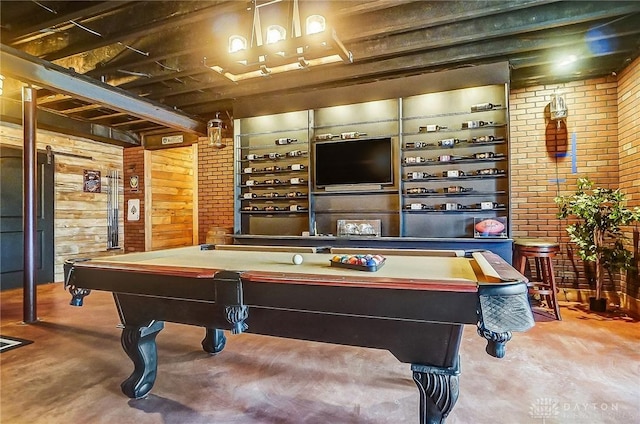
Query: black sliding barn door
(11,233)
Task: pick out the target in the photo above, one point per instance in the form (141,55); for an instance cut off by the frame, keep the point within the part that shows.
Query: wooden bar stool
(543,280)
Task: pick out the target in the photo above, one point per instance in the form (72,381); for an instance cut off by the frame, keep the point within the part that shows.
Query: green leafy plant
(601,212)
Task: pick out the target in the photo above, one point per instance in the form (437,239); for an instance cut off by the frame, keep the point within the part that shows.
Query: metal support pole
(29,108)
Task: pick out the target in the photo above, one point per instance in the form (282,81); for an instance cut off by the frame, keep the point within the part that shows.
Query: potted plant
(600,212)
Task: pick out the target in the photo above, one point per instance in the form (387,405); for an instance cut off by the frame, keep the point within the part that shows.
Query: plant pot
(597,305)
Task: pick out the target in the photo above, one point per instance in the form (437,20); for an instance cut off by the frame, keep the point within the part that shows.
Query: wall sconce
(214,132)
(558,107)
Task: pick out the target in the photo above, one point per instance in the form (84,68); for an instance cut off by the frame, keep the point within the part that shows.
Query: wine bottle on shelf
(253,156)
(274,155)
(249,170)
(294,208)
(490,171)
(272,168)
(249,196)
(452,206)
(273,181)
(480,107)
(294,153)
(286,140)
(420,190)
(448,158)
(417,144)
(418,206)
(326,136)
(294,194)
(296,167)
(448,142)
(456,189)
(453,173)
(475,124)
(351,134)
(296,181)
(484,155)
(431,128)
(251,182)
(271,194)
(490,205)
(418,175)
(414,159)
(250,208)
(486,138)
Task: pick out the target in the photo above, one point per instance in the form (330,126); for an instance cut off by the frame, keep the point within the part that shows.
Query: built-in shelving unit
(454,163)
(272,174)
(450,159)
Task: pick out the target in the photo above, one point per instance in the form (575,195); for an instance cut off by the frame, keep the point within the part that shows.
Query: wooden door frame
(148,198)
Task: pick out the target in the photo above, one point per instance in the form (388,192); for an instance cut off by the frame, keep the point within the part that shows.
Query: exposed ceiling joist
(32,70)
(11,111)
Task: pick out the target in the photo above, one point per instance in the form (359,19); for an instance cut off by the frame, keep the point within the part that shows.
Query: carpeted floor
(584,369)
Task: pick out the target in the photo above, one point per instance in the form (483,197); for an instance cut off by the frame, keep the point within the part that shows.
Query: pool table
(415,305)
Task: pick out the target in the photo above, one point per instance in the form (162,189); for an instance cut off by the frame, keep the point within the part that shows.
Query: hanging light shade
(214,132)
(237,43)
(315,24)
(275,33)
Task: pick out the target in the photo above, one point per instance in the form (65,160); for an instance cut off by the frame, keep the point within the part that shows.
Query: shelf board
(305,212)
(304,155)
(465,177)
(457,211)
(440,163)
(467,193)
(354,211)
(291,146)
(280,172)
(445,114)
(274,199)
(288,130)
(462,144)
(454,130)
(274,185)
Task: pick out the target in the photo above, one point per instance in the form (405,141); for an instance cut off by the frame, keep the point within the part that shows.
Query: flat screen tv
(354,162)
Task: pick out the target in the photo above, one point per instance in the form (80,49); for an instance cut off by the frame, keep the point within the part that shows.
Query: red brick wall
(542,157)
(215,186)
(629,151)
(133,230)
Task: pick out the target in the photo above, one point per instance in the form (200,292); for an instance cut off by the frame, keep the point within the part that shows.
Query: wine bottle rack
(471,141)
(472,137)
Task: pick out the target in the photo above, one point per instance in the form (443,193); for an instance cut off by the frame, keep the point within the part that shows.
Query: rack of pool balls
(359,262)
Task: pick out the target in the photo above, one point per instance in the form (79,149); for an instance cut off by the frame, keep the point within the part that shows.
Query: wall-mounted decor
(134,183)
(92,182)
(133,210)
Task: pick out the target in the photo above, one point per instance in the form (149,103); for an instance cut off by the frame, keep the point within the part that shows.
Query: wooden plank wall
(171,190)
(80,221)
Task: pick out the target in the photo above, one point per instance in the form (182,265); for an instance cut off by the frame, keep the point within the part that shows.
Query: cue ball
(297,259)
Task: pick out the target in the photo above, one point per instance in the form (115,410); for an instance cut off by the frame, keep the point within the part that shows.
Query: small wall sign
(134,183)
(133,210)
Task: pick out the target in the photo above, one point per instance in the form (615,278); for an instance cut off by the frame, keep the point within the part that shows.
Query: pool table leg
(139,343)
(439,391)
(214,341)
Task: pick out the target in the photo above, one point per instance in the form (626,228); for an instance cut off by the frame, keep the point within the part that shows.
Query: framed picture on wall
(91,181)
